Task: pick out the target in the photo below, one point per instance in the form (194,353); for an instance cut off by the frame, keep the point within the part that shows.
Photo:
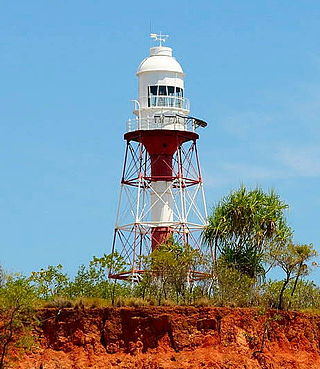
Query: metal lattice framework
(133,229)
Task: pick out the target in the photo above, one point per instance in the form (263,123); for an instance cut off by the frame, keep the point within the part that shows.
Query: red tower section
(161,146)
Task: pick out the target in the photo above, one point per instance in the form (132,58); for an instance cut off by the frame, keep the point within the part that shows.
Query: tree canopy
(243,225)
(292,259)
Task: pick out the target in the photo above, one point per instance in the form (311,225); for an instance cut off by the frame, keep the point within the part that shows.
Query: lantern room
(161,93)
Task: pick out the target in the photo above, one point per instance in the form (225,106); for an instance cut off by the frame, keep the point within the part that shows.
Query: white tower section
(161,98)
(161,92)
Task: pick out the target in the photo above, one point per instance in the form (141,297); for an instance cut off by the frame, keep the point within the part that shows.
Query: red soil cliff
(174,337)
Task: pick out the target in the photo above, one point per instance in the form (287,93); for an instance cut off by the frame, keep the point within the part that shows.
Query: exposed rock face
(174,337)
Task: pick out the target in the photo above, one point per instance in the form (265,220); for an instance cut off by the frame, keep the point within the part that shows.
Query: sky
(67,75)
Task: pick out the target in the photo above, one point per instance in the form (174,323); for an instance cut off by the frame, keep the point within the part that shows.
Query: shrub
(58,302)
(168,302)
(131,301)
(234,288)
(17,303)
(306,296)
(203,302)
(50,282)
(91,302)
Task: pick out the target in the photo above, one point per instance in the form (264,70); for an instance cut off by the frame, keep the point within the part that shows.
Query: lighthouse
(161,188)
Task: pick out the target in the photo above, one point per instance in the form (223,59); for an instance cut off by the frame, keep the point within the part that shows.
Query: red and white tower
(161,192)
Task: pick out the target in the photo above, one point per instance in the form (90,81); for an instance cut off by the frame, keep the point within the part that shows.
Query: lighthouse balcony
(164,121)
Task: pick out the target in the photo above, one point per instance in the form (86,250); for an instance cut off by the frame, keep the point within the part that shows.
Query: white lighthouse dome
(161,91)
(160,59)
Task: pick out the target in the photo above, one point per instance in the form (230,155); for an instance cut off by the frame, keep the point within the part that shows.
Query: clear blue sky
(67,73)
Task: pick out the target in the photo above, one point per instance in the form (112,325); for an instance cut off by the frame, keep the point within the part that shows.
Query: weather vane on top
(159,37)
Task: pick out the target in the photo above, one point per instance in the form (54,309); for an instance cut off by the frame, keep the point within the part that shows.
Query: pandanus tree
(243,226)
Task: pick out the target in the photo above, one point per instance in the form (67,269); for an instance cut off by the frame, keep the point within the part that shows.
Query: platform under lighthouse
(161,193)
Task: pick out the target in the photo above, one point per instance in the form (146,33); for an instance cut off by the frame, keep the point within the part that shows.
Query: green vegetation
(292,259)
(17,303)
(169,273)
(247,236)
(243,226)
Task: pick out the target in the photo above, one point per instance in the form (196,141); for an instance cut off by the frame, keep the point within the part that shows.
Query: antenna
(159,37)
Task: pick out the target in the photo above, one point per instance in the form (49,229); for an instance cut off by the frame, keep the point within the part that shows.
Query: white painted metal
(160,122)
(162,204)
(160,69)
(179,206)
(159,37)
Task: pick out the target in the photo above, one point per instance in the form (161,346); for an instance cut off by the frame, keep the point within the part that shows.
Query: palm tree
(243,225)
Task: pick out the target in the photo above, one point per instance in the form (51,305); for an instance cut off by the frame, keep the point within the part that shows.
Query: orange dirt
(174,337)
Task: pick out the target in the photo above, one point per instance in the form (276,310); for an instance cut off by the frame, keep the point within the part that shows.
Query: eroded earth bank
(174,337)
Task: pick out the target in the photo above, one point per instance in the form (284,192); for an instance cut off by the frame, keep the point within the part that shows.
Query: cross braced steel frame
(133,228)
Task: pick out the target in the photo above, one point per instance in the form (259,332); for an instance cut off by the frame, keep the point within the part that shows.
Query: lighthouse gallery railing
(163,121)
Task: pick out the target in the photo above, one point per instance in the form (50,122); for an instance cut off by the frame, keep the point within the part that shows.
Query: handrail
(163,121)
